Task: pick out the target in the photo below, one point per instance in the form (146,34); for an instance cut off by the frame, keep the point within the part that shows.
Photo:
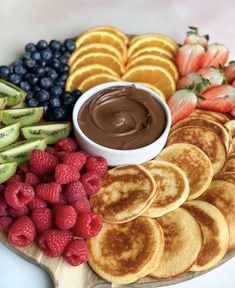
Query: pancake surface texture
(127,191)
(193,162)
(125,252)
(226,176)
(215,234)
(222,195)
(183,240)
(230,164)
(230,125)
(172,187)
(205,139)
(210,115)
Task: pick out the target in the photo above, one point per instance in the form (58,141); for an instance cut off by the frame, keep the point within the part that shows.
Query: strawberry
(76,252)
(65,174)
(194,38)
(229,72)
(216,55)
(232,112)
(214,75)
(233,84)
(189,58)
(189,80)
(42,162)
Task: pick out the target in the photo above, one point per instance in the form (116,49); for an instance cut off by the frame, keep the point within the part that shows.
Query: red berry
(2,190)
(82,205)
(47,178)
(5,223)
(31,179)
(25,168)
(53,242)
(51,150)
(18,195)
(14,179)
(42,162)
(19,212)
(65,174)
(22,232)
(91,182)
(74,191)
(87,225)
(3,207)
(49,192)
(77,159)
(67,145)
(65,217)
(76,252)
(42,219)
(60,155)
(98,165)
(62,200)
(37,203)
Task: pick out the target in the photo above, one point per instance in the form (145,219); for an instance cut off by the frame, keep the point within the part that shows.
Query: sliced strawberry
(229,72)
(189,80)
(233,84)
(214,75)
(232,112)
(220,92)
(194,38)
(216,55)
(218,105)
(189,58)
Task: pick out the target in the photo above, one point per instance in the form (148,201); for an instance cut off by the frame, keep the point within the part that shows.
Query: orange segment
(155,61)
(157,51)
(97,47)
(75,78)
(99,58)
(155,89)
(96,80)
(157,76)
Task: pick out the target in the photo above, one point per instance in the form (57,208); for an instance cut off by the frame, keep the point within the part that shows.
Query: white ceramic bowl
(120,157)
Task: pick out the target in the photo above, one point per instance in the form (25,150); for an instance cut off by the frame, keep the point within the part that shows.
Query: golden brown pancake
(123,253)
(232,149)
(205,139)
(172,185)
(183,241)
(220,130)
(222,195)
(214,231)
(194,162)
(230,164)
(210,115)
(127,191)
(230,125)
(226,176)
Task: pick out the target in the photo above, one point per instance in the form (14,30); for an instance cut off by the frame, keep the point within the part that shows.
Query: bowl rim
(89,93)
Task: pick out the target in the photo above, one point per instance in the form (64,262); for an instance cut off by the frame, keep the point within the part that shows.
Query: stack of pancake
(152,223)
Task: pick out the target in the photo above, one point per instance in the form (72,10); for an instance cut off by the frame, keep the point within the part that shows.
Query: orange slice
(75,78)
(96,80)
(155,61)
(102,37)
(155,75)
(157,51)
(112,30)
(97,47)
(155,89)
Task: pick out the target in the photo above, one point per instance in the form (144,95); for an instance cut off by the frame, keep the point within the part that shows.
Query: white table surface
(23,21)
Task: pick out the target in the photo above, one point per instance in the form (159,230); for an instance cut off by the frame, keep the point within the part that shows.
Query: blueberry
(30,63)
(15,79)
(77,93)
(42,44)
(60,83)
(63,59)
(46,54)
(11,68)
(27,56)
(67,54)
(30,47)
(20,70)
(45,83)
(33,79)
(43,96)
(59,113)
(43,63)
(67,99)
(4,71)
(63,49)
(25,85)
(64,76)
(46,106)
(56,91)
(55,64)
(51,74)
(69,44)
(57,55)
(48,115)
(36,56)
(65,68)
(55,45)
(36,88)
(39,71)
(29,95)
(55,102)
(32,102)
(17,62)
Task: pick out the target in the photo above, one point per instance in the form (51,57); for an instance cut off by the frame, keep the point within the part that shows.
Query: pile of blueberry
(41,72)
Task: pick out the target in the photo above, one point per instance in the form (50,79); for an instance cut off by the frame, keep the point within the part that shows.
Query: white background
(23,21)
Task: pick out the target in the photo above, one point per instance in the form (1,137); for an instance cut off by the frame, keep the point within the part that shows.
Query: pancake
(230,164)
(172,186)
(214,231)
(220,130)
(232,149)
(222,195)
(127,191)
(183,241)
(126,252)
(210,115)
(205,139)
(226,176)
(193,162)
(230,125)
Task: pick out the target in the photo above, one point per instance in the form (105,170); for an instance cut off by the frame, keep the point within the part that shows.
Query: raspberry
(82,205)
(47,178)
(2,190)
(62,200)
(65,174)
(77,159)
(76,252)
(91,182)
(25,168)
(37,203)
(14,179)
(65,217)
(22,232)
(42,219)
(87,225)
(53,242)
(60,155)
(74,191)
(42,162)
(18,195)
(51,150)
(98,165)
(19,212)
(5,223)
(67,145)
(31,179)
(49,192)
(3,207)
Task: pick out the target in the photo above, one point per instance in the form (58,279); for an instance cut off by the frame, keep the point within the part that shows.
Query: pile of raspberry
(47,201)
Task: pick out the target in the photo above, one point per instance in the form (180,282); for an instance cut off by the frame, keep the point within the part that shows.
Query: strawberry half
(216,55)
(229,72)
(189,80)
(214,75)
(194,38)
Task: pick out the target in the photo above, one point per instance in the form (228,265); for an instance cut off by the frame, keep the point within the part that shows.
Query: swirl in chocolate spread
(121,117)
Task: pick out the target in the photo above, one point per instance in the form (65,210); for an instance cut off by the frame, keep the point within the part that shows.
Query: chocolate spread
(121,117)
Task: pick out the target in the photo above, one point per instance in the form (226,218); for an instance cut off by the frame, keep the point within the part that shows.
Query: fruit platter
(117,158)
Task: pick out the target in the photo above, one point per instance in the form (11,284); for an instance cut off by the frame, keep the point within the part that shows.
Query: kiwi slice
(13,93)
(3,102)
(7,170)
(52,131)
(9,135)
(19,105)
(20,152)
(25,116)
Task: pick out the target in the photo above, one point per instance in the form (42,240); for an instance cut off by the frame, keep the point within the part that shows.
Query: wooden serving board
(64,275)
